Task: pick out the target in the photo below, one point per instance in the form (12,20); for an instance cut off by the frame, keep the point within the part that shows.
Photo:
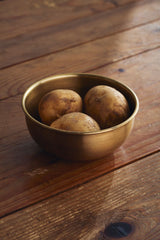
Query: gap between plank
(78,185)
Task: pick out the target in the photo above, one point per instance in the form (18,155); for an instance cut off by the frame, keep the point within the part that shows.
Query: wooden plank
(43,176)
(33,15)
(16,79)
(85,212)
(55,38)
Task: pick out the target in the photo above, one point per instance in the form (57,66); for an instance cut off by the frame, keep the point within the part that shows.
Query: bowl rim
(50,78)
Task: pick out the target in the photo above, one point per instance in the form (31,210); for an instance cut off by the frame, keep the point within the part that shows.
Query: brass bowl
(76,145)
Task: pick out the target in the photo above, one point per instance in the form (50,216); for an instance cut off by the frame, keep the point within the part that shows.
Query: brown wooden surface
(53,38)
(17,161)
(46,198)
(129,194)
(95,55)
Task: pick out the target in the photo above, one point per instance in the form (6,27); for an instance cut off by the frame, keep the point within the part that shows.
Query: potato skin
(57,103)
(106,105)
(76,121)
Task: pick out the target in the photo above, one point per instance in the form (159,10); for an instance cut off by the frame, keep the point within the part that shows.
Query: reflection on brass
(76,145)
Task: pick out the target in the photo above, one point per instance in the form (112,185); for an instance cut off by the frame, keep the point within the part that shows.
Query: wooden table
(49,199)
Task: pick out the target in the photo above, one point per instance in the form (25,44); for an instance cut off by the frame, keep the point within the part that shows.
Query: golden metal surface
(76,145)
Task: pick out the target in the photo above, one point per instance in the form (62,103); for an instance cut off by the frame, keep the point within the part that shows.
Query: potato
(106,105)
(57,103)
(76,121)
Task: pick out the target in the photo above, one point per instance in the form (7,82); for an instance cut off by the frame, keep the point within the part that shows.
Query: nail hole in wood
(121,70)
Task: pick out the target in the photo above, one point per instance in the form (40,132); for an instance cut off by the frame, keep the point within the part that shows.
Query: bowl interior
(80,83)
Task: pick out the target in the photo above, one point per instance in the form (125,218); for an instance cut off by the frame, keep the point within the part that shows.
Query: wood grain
(84,212)
(42,197)
(42,175)
(16,79)
(53,38)
(35,15)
